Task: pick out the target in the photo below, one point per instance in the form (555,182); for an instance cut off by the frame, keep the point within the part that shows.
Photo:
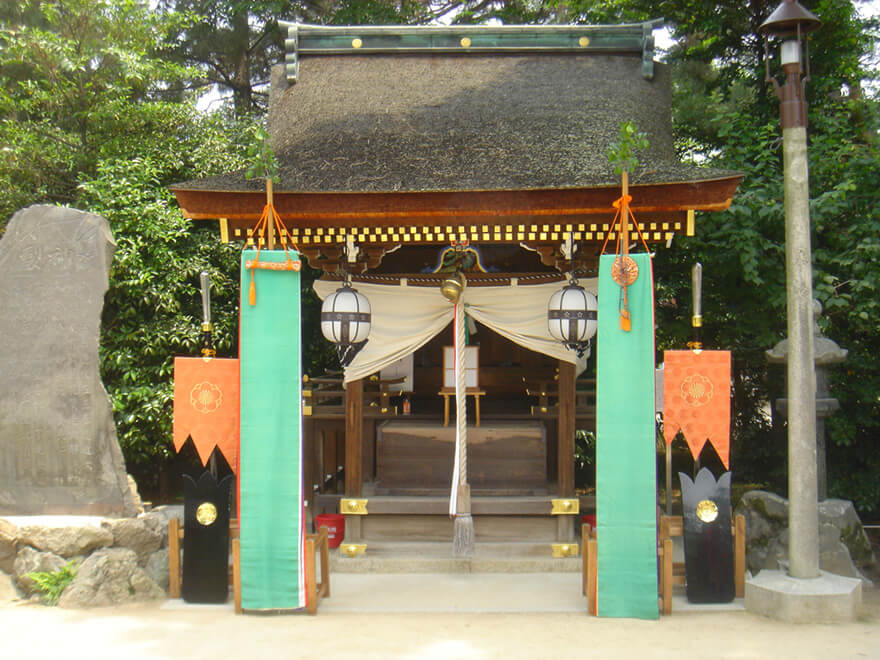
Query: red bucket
(335,524)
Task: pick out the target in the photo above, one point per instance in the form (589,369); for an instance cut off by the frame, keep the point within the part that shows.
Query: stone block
(8,545)
(8,593)
(110,576)
(29,560)
(158,522)
(157,568)
(65,541)
(60,451)
(135,534)
(844,548)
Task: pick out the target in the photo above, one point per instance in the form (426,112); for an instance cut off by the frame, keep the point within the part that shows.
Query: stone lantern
(826,353)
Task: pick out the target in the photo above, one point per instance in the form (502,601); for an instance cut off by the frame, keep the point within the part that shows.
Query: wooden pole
(565,446)
(566,430)
(354,424)
(624,215)
(354,449)
(270,228)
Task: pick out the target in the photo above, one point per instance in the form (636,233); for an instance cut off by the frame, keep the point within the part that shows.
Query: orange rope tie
(616,205)
(639,229)
(289,264)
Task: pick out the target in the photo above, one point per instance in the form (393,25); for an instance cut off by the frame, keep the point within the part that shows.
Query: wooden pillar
(309,440)
(354,438)
(565,443)
(354,449)
(566,430)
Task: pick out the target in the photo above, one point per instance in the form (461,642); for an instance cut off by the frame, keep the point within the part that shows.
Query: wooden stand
(315,543)
(447,392)
(670,573)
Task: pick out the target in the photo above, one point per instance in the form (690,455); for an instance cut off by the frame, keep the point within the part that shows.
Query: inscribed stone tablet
(58,448)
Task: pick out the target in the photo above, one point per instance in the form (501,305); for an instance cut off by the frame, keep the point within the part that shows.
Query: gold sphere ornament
(452,287)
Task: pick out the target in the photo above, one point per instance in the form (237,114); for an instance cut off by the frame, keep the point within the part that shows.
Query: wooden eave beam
(461,207)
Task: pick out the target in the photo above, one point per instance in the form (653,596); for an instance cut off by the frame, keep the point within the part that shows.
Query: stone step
(411,557)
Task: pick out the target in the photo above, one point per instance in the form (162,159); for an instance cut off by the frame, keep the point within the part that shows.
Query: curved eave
(486,207)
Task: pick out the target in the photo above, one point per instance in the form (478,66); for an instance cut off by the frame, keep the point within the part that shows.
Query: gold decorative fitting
(697,321)
(352,507)
(207,327)
(356,43)
(307,411)
(565,507)
(561,550)
(583,42)
(707,511)
(465,42)
(307,394)
(353,549)
(206,514)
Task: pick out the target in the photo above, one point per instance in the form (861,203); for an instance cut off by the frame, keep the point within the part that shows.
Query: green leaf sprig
(621,153)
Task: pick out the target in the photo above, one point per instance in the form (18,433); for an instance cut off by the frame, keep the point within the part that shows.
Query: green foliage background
(97,111)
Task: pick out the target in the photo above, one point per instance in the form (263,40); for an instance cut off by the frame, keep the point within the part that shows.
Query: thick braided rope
(461,392)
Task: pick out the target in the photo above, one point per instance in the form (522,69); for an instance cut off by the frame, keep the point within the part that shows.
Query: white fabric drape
(405,318)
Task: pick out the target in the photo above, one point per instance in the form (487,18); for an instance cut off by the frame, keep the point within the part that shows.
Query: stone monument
(58,448)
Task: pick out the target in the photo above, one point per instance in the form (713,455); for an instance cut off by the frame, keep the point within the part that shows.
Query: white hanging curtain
(405,318)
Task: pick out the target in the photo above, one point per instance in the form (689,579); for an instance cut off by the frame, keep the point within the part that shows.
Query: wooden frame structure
(670,573)
(316,546)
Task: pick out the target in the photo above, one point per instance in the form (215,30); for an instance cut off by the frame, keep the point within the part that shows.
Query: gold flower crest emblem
(205,397)
(697,390)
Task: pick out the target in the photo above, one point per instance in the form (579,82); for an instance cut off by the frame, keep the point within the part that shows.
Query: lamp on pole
(790,23)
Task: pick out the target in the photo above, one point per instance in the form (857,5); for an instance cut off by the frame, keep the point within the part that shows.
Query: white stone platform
(826,599)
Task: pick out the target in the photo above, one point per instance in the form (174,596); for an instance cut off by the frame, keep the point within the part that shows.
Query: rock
(157,568)
(842,514)
(7,589)
(135,495)
(136,534)
(8,545)
(158,522)
(110,576)
(61,454)
(29,560)
(65,541)
(844,548)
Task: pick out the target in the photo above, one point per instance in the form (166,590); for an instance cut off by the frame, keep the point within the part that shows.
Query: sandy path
(146,631)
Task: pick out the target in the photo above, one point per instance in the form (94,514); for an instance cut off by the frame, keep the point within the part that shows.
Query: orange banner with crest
(206,406)
(696,400)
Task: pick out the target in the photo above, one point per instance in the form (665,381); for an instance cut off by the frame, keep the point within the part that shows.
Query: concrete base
(825,599)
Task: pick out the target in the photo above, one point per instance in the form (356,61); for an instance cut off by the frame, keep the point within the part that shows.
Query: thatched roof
(441,121)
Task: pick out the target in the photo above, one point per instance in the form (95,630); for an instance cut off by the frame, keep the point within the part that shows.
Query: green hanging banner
(271,506)
(626,502)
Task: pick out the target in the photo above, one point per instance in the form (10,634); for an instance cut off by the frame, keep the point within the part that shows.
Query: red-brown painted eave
(485,207)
